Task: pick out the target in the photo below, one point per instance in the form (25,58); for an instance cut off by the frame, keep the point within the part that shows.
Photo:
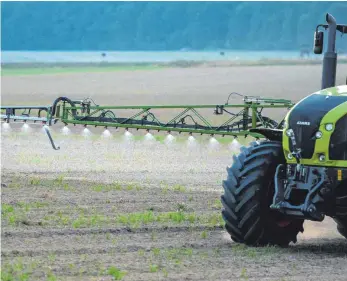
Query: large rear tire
(248,193)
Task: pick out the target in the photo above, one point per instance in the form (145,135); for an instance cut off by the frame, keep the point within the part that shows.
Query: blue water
(138,57)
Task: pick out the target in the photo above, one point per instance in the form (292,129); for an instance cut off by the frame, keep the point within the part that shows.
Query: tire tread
(245,207)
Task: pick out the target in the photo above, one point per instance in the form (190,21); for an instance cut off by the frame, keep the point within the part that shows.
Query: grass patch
(243,274)
(179,188)
(165,272)
(215,205)
(153,268)
(80,217)
(141,252)
(35,181)
(32,205)
(6,209)
(177,254)
(59,180)
(159,257)
(94,220)
(251,252)
(116,273)
(16,270)
(178,217)
(15,214)
(51,276)
(14,185)
(156,252)
(133,219)
(204,234)
(176,188)
(115,187)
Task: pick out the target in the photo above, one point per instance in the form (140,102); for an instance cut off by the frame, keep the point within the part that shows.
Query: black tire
(341,208)
(248,193)
(342,227)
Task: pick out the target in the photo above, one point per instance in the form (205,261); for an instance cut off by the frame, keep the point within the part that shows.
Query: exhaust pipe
(330,56)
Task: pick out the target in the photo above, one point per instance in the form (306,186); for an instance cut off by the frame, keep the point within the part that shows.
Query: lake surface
(138,57)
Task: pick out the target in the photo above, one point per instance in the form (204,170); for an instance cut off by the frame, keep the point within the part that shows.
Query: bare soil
(168,86)
(150,210)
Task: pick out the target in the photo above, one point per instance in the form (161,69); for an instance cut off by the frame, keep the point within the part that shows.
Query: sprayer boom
(233,119)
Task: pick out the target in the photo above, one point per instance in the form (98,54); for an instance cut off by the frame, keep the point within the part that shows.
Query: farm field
(118,210)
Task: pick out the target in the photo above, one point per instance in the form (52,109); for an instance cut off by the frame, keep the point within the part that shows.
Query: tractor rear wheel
(248,194)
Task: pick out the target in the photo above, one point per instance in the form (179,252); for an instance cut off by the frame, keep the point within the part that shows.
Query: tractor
(299,172)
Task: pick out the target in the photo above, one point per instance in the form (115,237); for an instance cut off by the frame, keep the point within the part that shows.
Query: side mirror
(318,42)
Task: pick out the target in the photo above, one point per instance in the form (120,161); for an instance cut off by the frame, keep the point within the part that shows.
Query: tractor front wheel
(342,226)
(248,194)
(341,208)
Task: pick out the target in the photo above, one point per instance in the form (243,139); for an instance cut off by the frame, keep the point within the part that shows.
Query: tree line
(163,25)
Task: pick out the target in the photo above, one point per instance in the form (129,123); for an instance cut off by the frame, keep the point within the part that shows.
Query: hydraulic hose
(55,103)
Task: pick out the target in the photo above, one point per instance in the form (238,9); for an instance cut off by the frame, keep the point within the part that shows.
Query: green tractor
(300,171)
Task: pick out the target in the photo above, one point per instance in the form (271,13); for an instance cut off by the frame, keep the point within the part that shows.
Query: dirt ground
(168,86)
(114,209)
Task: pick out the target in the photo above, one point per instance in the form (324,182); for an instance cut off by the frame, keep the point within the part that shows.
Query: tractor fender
(270,134)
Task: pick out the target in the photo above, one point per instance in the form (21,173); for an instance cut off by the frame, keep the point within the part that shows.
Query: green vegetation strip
(62,68)
(163,261)
(13,71)
(17,214)
(133,219)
